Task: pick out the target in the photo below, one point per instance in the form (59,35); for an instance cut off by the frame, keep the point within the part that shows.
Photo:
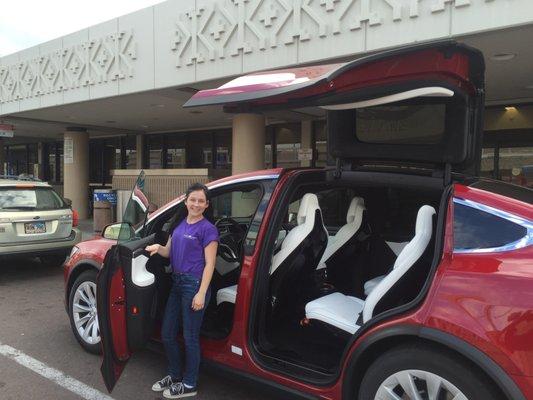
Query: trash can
(104,206)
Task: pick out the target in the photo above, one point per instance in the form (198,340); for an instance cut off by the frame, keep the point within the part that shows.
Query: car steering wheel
(230,242)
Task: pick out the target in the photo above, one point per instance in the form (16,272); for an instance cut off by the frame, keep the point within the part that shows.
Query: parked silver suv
(35,221)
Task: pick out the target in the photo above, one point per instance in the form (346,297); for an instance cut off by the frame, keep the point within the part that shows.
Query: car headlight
(74,250)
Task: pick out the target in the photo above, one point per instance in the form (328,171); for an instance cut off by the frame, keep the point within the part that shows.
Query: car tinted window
(334,205)
(237,203)
(29,198)
(475,229)
(401,124)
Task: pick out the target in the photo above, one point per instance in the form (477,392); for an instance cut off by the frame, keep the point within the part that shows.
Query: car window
(253,229)
(238,203)
(401,123)
(334,205)
(13,198)
(475,229)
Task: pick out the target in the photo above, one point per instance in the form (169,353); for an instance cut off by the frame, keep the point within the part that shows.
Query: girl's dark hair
(195,187)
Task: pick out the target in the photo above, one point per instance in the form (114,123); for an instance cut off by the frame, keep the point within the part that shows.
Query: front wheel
(423,373)
(82,312)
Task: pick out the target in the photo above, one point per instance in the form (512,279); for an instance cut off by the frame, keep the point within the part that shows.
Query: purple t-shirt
(188,243)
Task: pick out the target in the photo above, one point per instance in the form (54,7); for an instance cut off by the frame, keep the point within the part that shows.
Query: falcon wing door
(418,104)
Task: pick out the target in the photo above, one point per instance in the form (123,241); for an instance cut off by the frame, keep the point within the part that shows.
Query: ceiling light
(144,126)
(503,56)
(510,108)
(157,105)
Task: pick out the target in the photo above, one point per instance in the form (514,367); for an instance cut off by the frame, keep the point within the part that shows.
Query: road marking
(56,376)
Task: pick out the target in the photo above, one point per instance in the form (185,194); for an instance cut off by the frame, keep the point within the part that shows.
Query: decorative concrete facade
(177,43)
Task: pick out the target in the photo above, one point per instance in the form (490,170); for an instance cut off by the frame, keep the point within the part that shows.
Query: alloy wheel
(85,314)
(415,384)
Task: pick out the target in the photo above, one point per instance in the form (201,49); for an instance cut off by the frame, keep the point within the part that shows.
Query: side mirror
(68,202)
(118,231)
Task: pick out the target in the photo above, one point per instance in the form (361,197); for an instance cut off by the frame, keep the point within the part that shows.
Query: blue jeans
(184,288)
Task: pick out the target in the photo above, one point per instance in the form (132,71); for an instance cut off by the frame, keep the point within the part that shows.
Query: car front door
(126,293)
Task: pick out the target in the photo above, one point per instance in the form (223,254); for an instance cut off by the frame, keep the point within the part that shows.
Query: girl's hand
(152,249)
(198,301)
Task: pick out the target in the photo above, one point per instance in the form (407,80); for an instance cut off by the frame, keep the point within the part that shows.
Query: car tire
(424,367)
(55,260)
(82,312)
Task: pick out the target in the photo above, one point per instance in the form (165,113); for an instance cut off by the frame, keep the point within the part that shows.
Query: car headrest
(308,206)
(357,205)
(423,231)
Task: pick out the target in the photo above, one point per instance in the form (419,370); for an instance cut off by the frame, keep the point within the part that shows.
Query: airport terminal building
(90,109)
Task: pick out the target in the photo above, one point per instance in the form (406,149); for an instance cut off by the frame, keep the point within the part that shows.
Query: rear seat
(397,248)
(227,294)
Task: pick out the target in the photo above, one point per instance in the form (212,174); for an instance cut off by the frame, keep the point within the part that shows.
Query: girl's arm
(161,250)
(210,252)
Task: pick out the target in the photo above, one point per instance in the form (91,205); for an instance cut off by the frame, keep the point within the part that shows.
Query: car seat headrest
(308,206)
(357,205)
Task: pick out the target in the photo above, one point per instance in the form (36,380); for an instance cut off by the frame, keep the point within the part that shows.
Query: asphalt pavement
(41,359)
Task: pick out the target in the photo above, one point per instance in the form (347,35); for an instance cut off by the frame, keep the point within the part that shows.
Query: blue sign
(110,197)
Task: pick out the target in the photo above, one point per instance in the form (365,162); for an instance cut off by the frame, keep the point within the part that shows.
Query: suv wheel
(83,314)
(421,372)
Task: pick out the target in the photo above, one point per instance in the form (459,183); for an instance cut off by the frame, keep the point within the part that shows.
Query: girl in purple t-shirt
(192,249)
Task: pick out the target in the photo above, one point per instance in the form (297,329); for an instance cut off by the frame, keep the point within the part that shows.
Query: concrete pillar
(2,156)
(306,141)
(38,170)
(76,169)
(248,143)
(139,147)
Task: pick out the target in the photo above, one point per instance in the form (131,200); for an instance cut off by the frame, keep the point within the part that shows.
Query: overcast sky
(26,23)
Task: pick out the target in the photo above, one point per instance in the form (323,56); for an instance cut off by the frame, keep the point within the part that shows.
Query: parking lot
(38,349)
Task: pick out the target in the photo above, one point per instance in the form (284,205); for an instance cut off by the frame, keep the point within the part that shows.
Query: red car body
(477,305)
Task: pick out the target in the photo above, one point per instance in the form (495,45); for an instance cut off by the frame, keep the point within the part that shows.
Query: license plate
(35,227)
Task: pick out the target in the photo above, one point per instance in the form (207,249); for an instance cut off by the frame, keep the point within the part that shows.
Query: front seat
(344,311)
(293,266)
(336,244)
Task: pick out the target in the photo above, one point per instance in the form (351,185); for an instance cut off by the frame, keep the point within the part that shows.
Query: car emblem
(37,217)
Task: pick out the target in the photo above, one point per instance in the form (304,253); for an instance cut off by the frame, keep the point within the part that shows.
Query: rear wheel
(83,314)
(424,373)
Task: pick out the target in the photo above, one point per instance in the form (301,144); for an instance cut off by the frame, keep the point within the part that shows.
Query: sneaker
(163,384)
(179,391)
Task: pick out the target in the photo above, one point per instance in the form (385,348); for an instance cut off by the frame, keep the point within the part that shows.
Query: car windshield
(34,198)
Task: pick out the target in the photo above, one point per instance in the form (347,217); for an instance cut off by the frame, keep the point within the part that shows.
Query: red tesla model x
(394,275)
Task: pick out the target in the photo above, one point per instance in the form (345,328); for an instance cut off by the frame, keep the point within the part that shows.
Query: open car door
(414,105)
(126,295)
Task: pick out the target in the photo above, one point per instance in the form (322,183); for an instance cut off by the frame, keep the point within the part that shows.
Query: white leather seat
(372,283)
(347,309)
(343,311)
(227,294)
(354,217)
(306,222)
